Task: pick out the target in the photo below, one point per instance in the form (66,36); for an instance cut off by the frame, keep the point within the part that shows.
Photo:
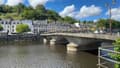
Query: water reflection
(36,55)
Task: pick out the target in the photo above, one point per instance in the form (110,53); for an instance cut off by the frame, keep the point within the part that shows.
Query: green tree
(28,14)
(21,28)
(104,23)
(69,20)
(52,15)
(40,12)
(20,8)
(1,28)
(116,56)
(21,11)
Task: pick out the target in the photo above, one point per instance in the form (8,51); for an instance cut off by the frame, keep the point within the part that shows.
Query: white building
(36,26)
(10,25)
(39,26)
(44,26)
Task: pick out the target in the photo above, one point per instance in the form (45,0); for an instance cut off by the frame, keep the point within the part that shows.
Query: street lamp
(110,14)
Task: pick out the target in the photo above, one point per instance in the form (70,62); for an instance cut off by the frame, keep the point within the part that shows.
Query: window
(2,22)
(13,22)
(13,26)
(12,30)
(5,22)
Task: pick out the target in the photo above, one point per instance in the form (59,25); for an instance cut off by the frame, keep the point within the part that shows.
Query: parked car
(99,32)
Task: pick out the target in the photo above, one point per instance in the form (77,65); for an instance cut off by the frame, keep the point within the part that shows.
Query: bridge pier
(50,41)
(46,40)
(72,47)
(53,41)
(82,44)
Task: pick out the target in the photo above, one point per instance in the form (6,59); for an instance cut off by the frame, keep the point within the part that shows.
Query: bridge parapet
(85,35)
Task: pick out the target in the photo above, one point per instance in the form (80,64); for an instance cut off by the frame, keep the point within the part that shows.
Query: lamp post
(110,14)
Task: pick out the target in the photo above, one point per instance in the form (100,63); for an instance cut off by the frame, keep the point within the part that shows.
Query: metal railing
(104,58)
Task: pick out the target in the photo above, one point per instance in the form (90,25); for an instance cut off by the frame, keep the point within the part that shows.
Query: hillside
(39,13)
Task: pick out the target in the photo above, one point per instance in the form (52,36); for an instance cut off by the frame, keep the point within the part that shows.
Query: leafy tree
(40,8)
(40,12)
(28,14)
(84,21)
(53,15)
(69,20)
(104,23)
(21,11)
(116,56)
(21,28)
(1,28)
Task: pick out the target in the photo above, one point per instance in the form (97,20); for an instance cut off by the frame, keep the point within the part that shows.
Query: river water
(36,55)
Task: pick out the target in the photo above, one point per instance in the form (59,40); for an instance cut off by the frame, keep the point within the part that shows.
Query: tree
(69,20)
(52,15)
(21,11)
(104,23)
(116,56)
(1,28)
(28,14)
(40,8)
(40,12)
(20,8)
(21,28)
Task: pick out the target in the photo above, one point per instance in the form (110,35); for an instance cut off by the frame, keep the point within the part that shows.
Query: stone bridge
(83,41)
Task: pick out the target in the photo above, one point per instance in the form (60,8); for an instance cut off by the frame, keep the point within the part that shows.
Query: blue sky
(79,9)
(59,5)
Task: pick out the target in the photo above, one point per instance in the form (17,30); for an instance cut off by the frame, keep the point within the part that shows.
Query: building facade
(43,26)
(10,25)
(37,26)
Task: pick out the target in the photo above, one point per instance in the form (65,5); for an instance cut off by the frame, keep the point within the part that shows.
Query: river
(36,55)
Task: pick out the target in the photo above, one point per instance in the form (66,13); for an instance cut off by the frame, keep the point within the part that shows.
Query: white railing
(104,58)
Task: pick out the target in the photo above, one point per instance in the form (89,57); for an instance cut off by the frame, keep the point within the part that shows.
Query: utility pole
(110,14)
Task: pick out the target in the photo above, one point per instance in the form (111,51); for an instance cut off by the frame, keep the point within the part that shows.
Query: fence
(104,58)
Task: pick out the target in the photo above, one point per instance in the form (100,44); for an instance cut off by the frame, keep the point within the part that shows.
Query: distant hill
(20,12)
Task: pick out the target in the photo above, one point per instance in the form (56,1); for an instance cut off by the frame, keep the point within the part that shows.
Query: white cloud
(85,11)
(68,11)
(34,3)
(2,2)
(14,2)
(95,20)
(115,13)
(88,11)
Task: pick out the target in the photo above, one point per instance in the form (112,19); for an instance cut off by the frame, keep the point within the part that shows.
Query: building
(10,25)
(37,26)
(43,26)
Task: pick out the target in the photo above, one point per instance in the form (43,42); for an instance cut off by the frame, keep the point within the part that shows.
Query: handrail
(106,56)
(108,50)
(110,60)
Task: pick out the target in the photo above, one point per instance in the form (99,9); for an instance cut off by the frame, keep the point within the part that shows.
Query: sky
(90,10)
